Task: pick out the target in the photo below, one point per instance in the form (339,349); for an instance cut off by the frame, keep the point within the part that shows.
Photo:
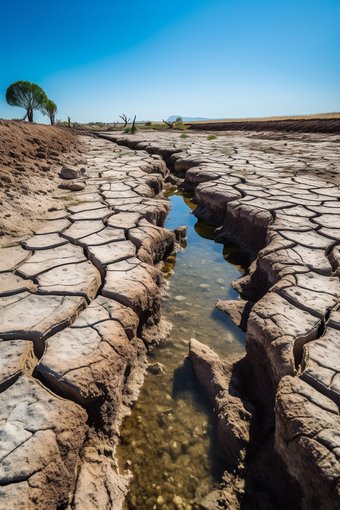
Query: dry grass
(334,115)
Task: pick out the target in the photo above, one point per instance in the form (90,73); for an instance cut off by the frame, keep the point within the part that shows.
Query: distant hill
(187,119)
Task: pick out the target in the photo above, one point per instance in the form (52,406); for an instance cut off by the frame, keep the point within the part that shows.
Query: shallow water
(169,441)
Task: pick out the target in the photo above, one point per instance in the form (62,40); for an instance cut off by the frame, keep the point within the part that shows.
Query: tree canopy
(50,109)
(26,95)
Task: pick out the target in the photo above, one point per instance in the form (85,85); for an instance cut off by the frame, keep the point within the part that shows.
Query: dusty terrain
(31,157)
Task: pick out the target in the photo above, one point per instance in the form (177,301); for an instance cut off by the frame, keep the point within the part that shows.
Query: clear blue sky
(153,59)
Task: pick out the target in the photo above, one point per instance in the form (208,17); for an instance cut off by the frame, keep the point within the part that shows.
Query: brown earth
(31,156)
(295,125)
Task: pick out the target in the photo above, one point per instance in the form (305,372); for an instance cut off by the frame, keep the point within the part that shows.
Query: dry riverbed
(80,306)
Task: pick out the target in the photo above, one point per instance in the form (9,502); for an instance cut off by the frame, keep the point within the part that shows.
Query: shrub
(211,137)
(184,135)
(155,126)
(179,124)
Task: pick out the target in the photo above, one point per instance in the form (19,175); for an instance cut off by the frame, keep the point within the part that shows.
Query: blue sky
(208,58)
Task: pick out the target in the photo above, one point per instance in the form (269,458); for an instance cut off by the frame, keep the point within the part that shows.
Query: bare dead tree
(124,118)
(76,125)
(114,125)
(133,129)
(169,123)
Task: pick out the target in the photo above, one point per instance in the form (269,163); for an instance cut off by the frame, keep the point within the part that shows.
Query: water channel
(168,442)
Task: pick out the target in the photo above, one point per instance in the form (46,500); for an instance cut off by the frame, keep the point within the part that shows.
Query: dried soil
(31,157)
(291,125)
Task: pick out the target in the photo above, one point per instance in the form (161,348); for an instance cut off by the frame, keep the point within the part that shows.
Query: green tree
(50,109)
(26,95)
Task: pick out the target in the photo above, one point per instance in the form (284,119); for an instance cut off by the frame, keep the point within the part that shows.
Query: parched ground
(265,189)
(31,157)
(300,125)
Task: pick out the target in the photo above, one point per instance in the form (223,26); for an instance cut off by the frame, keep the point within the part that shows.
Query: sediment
(80,307)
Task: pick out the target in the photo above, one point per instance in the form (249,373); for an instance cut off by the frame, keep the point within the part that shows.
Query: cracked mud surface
(277,199)
(75,304)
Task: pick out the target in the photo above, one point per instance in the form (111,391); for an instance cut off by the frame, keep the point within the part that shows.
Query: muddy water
(168,442)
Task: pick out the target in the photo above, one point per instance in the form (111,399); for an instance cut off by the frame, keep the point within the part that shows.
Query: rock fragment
(321,364)
(124,220)
(69,173)
(102,309)
(74,186)
(136,285)
(233,412)
(237,310)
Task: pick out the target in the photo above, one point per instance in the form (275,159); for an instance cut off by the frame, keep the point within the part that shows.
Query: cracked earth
(80,304)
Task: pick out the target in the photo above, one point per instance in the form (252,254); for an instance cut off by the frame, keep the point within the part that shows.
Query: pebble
(178,502)
(160,501)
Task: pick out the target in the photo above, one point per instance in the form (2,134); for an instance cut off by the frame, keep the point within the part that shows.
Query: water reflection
(169,436)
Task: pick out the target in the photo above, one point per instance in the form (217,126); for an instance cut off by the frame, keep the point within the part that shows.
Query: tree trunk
(133,129)
(30,115)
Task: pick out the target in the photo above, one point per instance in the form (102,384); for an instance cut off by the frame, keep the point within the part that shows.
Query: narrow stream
(168,442)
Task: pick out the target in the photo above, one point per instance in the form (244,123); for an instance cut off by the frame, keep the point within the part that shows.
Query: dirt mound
(300,125)
(31,156)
